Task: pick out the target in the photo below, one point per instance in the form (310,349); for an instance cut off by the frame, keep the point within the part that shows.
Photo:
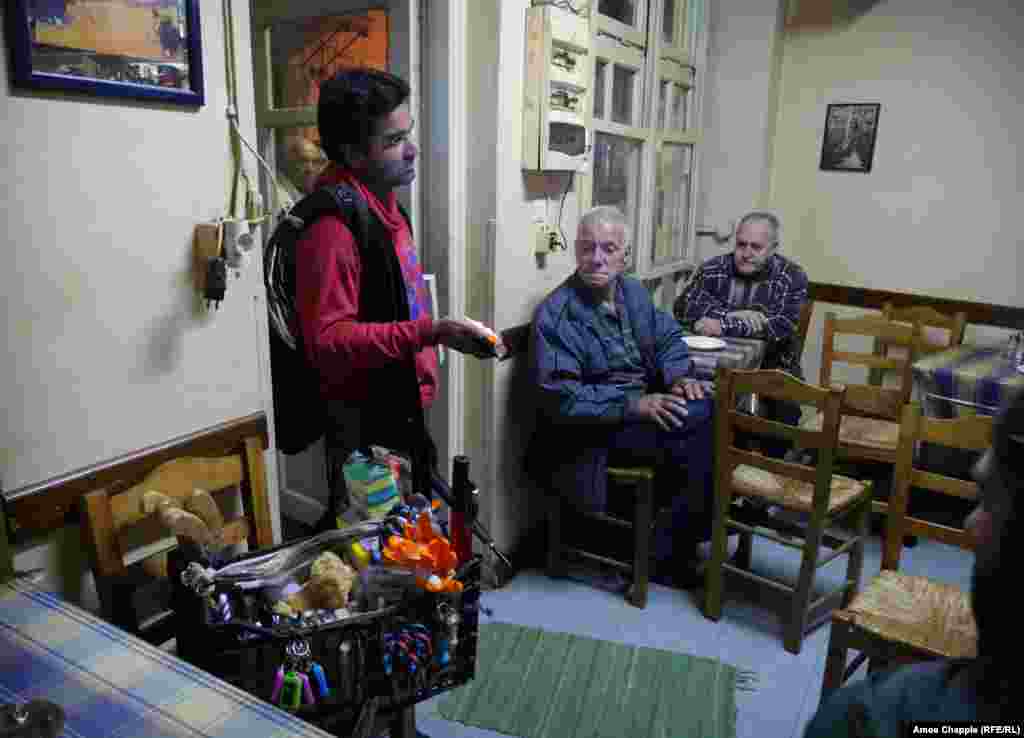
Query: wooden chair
(128,547)
(641,481)
(815,491)
(900,617)
(938,330)
(804,324)
(869,429)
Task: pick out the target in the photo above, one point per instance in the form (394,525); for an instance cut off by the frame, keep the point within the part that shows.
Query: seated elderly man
(753,292)
(986,688)
(616,387)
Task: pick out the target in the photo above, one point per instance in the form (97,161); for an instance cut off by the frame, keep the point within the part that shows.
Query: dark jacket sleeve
(558,355)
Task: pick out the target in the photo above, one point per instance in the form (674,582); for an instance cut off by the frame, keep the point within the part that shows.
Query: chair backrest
(774,383)
(938,330)
(128,545)
(866,399)
(968,433)
(803,325)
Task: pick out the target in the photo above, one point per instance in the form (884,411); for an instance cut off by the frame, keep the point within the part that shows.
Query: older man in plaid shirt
(754,292)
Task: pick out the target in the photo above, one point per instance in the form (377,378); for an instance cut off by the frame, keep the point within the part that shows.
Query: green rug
(537,684)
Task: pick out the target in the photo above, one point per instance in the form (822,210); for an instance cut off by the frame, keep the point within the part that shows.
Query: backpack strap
(340,200)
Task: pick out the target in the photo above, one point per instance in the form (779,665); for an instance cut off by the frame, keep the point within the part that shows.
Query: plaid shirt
(779,291)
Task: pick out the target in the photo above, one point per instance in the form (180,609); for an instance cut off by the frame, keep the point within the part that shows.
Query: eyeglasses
(608,248)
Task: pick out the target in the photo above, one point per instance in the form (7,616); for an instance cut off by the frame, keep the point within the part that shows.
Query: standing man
(616,386)
(754,292)
(363,307)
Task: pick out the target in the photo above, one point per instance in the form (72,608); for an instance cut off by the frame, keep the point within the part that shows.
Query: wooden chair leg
(715,574)
(744,551)
(835,661)
(802,596)
(642,515)
(556,561)
(855,564)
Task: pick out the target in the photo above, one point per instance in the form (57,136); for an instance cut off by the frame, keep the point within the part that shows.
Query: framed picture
(138,49)
(848,144)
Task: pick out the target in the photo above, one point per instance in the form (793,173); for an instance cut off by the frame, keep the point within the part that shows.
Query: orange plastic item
(428,554)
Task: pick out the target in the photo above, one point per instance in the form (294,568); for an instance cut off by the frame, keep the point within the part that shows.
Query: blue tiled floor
(749,636)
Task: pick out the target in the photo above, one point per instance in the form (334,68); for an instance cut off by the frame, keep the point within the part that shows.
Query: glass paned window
(668,22)
(679,106)
(663,90)
(672,203)
(623,94)
(600,68)
(617,175)
(623,11)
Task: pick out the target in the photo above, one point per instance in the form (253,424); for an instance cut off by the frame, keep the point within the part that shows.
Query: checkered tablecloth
(981,378)
(739,353)
(112,685)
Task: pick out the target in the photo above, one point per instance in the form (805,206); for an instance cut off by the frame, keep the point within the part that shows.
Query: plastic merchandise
(279,566)
(421,549)
(372,484)
(378,585)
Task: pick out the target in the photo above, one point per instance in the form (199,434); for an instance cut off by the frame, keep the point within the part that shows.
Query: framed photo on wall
(137,49)
(848,143)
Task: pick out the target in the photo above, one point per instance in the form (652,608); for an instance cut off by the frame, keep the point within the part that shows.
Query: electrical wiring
(279,191)
(561,209)
(564,5)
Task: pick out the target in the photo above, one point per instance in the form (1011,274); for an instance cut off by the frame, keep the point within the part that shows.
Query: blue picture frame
(148,50)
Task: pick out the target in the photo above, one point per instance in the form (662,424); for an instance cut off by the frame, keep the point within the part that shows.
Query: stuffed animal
(328,588)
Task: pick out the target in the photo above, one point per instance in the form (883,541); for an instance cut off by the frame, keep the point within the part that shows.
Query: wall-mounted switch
(207,244)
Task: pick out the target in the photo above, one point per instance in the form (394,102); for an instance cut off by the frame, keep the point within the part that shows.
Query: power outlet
(539,236)
(554,239)
(545,239)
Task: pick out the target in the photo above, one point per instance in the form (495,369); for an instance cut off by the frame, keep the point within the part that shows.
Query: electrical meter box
(557,82)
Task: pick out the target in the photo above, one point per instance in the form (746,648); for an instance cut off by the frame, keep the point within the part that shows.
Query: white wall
(520,281)
(938,212)
(740,92)
(107,350)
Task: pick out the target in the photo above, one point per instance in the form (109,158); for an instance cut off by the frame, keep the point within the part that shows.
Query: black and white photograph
(848,144)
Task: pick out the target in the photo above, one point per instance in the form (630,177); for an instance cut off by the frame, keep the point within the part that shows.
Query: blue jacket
(580,400)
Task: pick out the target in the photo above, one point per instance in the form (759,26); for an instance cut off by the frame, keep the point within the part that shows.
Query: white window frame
(681,62)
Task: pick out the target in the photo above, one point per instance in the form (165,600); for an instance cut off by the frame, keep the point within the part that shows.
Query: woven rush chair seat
(898,617)
(790,493)
(856,430)
(929,616)
(815,490)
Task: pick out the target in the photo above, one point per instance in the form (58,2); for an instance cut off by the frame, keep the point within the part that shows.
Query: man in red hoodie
(363,307)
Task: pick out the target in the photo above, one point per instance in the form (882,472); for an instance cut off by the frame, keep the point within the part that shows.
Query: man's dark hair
(351,105)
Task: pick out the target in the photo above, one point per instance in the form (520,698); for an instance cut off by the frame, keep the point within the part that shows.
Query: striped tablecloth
(739,353)
(979,375)
(116,686)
